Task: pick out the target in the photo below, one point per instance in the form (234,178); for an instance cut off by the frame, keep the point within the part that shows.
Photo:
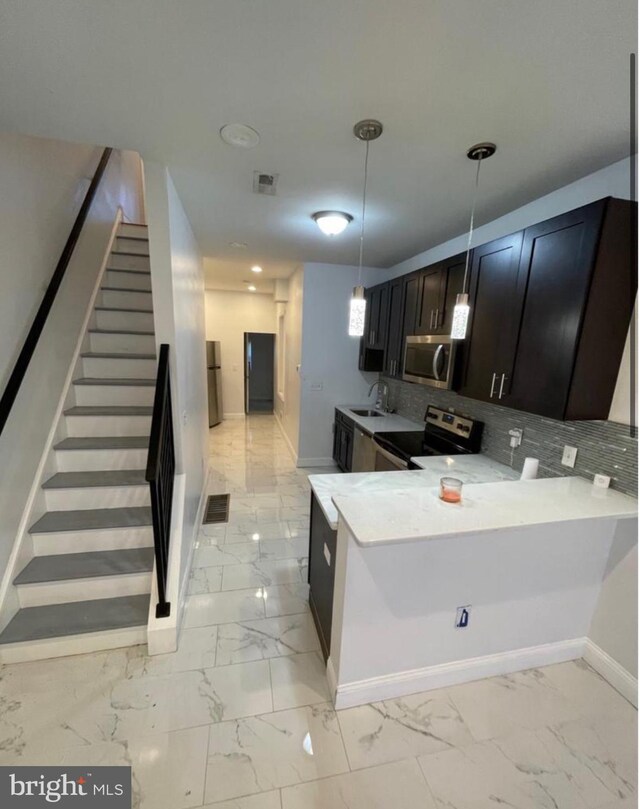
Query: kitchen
(543,353)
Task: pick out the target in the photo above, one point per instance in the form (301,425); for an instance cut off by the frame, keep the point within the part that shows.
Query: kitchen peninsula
(525,559)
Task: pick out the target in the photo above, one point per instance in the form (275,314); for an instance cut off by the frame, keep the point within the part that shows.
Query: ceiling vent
(265,183)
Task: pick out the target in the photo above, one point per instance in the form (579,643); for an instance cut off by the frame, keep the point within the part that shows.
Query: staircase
(87,586)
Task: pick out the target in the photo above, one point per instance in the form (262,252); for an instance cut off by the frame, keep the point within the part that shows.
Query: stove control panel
(458,425)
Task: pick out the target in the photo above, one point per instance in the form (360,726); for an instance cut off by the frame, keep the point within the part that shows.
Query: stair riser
(87,426)
(114,368)
(96,497)
(126,300)
(130,280)
(123,343)
(95,460)
(72,645)
(62,592)
(107,539)
(139,231)
(132,245)
(117,262)
(124,321)
(114,395)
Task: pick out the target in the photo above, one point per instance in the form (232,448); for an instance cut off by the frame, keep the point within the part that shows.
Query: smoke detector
(264,183)
(240,135)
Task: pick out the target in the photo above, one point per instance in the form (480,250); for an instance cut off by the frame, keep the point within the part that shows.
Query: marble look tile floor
(239,717)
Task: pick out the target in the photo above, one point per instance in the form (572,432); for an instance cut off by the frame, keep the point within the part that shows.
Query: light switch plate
(569,456)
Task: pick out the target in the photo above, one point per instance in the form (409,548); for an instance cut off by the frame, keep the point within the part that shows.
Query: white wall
(32,418)
(178,297)
(330,373)
(288,411)
(611,181)
(228,316)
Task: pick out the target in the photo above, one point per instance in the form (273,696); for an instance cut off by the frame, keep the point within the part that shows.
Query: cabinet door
(379,303)
(452,282)
(321,574)
(430,305)
(496,299)
(395,336)
(558,258)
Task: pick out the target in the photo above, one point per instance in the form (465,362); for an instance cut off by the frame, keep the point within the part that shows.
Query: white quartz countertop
(469,468)
(406,515)
(386,422)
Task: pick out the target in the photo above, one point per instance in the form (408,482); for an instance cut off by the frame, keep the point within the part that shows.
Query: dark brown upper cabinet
(579,301)
(374,341)
(452,275)
(496,298)
(395,332)
(431,300)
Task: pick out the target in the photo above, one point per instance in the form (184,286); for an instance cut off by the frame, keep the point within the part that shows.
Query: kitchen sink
(367,413)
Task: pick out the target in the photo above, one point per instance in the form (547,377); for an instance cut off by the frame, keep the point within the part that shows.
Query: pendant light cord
(473,213)
(364,206)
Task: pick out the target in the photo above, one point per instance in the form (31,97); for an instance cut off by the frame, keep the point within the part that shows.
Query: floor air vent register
(217,509)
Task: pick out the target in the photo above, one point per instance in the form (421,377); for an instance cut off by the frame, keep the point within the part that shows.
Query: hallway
(240,714)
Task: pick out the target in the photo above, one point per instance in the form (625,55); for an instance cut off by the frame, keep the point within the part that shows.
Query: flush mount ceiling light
(460,318)
(255,268)
(332,223)
(240,135)
(366,130)
(251,288)
(238,245)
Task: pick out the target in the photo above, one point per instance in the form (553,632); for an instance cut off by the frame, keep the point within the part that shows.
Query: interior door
(496,298)
(259,352)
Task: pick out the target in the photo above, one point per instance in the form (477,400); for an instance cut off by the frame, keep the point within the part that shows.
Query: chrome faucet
(382,402)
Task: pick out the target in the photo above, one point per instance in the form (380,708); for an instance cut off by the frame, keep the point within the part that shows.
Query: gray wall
(604,447)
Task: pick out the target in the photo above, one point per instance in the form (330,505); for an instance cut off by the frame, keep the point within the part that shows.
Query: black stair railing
(161,470)
(31,340)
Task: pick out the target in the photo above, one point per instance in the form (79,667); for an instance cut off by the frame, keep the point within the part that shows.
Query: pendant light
(460,318)
(366,131)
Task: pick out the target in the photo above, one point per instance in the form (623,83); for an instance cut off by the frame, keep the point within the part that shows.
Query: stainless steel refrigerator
(214,383)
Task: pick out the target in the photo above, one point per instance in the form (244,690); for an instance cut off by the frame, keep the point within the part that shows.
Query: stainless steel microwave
(430,360)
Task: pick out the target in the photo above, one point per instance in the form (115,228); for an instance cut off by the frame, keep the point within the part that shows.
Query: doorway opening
(259,360)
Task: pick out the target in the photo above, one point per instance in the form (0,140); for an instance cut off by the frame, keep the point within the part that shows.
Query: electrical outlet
(569,456)
(516,437)
(462,616)
(601,481)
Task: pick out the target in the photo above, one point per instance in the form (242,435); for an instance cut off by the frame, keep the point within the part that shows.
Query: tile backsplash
(604,447)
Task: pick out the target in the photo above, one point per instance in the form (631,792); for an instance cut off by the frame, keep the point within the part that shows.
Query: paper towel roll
(530,469)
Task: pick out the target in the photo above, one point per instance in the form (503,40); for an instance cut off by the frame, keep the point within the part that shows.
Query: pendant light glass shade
(460,317)
(357,309)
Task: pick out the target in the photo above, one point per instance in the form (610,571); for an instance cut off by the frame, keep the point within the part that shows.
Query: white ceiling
(546,80)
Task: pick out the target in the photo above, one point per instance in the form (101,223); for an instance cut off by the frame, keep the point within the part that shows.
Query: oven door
(429,360)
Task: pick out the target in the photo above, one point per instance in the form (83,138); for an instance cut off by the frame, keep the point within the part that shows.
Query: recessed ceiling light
(239,245)
(251,288)
(256,268)
(240,135)
(331,223)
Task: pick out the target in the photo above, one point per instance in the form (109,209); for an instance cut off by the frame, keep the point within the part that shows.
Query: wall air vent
(265,183)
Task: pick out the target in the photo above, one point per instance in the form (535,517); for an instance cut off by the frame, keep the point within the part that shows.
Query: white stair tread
(104,442)
(123,309)
(119,331)
(90,479)
(109,410)
(134,270)
(94,564)
(76,618)
(92,519)
(108,380)
(112,355)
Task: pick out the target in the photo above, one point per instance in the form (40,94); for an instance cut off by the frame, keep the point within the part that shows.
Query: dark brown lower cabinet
(322,553)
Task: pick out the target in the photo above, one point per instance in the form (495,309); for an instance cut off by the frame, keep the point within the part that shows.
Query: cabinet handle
(431,320)
(501,386)
(437,318)
(493,384)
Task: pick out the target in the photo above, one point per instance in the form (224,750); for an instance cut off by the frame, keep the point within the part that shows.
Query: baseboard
(232,416)
(461,671)
(292,451)
(332,680)
(303,462)
(616,675)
